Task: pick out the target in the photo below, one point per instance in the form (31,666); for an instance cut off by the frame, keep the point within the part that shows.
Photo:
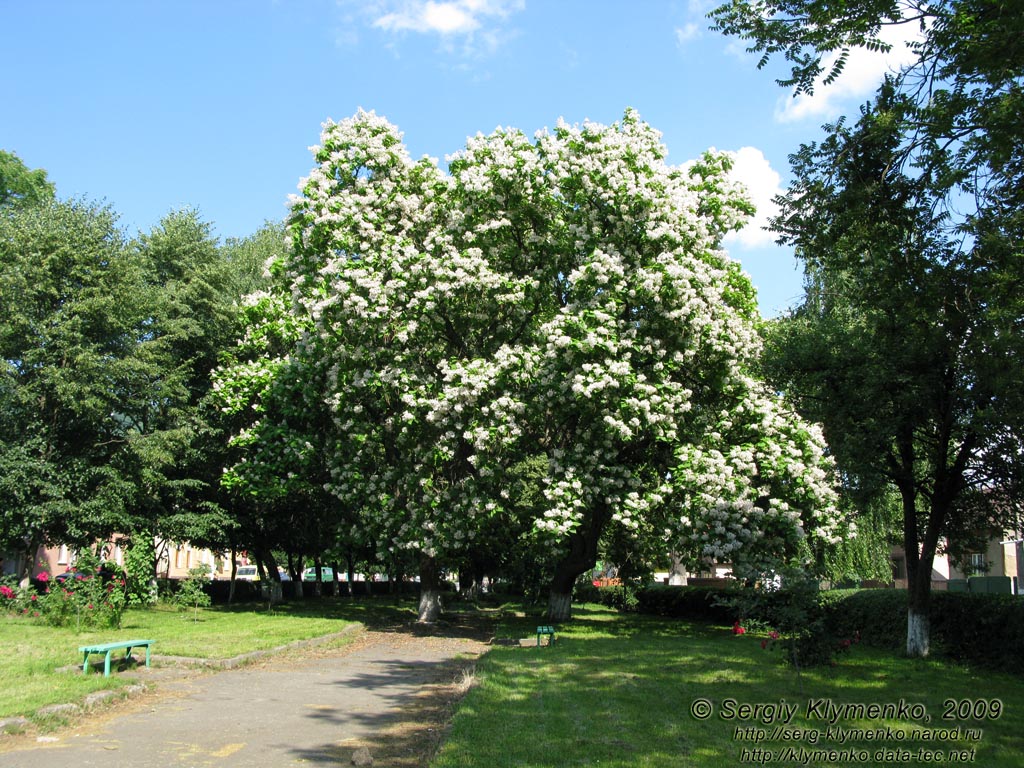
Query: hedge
(983,629)
(703,603)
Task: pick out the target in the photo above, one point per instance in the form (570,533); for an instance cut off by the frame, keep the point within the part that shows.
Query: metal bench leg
(106,664)
(85,663)
(147,655)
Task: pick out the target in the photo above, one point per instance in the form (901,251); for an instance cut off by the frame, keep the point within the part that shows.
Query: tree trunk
(559,605)
(335,578)
(582,557)
(318,583)
(350,571)
(430,591)
(677,573)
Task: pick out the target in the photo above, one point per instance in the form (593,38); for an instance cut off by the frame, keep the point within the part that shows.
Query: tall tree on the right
(909,341)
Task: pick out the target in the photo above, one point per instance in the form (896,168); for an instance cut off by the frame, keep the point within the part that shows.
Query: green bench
(545,630)
(108,648)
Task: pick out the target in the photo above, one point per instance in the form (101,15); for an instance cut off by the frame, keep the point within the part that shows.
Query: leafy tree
(191,592)
(192,318)
(20,186)
(72,297)
(910,225)
(563,297)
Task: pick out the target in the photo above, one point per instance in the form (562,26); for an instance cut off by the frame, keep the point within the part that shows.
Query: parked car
(247,573)
(326,574)
(107,572)
(72,574)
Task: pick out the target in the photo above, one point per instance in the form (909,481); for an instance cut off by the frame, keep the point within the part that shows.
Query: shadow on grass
(622,691)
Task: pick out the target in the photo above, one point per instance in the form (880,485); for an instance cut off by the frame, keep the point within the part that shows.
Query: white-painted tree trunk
(430,606)
(918,633)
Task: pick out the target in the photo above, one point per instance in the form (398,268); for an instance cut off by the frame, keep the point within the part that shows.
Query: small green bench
(108,648)
(545,630)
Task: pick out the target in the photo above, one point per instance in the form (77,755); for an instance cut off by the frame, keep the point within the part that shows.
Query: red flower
(43,577)
(738,630)
(6,591)
(764,644)
(33,598)
(773,635)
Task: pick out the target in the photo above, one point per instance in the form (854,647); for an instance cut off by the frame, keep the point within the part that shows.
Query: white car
(247,573)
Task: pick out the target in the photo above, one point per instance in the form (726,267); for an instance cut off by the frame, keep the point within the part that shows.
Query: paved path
(310,710)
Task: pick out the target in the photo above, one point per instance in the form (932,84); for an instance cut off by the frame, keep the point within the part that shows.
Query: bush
(191,592)
(94,601)
(701,603)
(16,601)
(877,616)
(984,629)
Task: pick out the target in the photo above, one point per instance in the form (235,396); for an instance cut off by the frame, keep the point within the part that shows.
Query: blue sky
(152,106)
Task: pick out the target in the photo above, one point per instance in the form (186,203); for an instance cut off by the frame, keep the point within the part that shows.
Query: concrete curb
(100,698)
(246,658)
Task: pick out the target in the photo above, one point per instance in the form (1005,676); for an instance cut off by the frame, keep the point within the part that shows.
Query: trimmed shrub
(878,615)
(983,629)
(702,603)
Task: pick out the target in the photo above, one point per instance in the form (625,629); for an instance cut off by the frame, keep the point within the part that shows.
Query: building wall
(174,562)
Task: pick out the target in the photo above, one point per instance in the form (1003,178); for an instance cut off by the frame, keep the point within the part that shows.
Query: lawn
(33,651)
(622,691)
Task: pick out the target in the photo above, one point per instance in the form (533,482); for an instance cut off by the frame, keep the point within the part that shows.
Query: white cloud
(687,32)
(447,18)
(763,183)
(862,74)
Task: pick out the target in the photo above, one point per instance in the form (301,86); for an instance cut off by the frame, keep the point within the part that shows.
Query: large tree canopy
(73,314)
(562,299)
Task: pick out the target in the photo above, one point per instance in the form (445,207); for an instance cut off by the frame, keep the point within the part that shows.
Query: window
(978,564)
(62,555)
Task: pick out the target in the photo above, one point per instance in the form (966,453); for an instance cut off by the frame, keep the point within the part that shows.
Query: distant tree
(20,186)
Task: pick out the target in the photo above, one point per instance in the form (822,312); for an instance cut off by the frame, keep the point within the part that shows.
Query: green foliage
(622,597)
(97,600)
(980,629)
(20,186)
(69,382)
(191,592)
(693,603)
(139,565)
(909,223)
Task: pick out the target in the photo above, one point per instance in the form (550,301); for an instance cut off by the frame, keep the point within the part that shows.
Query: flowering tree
(562,297)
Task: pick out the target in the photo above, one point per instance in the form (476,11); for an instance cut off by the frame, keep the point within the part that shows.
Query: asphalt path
(305,708)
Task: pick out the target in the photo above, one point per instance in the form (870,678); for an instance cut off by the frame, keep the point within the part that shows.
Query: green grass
(617,691)
(32,652)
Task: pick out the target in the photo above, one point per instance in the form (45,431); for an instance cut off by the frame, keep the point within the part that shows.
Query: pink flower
(6,591)
(43,577)
(737,629)
(773,635)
